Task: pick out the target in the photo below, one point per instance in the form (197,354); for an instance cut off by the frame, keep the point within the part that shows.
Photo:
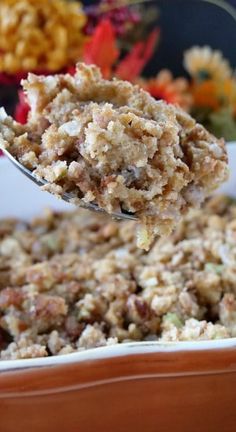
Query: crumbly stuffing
(112,144)
(73,281)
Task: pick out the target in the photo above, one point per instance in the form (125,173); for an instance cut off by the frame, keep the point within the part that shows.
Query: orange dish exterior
(181,391)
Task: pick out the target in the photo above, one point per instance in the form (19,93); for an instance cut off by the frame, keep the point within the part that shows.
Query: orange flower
(229,93)
(101,49)
(215,95)
(205,95)
(165,87)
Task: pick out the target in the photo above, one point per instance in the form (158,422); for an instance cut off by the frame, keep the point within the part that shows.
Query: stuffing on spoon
(111,143)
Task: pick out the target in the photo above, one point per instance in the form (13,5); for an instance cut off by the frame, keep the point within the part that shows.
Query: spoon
(66,196)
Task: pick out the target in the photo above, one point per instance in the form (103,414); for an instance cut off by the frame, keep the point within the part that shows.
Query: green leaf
(223,124)
(201,114)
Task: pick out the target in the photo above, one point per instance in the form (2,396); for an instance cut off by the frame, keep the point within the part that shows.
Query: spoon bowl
(66,196)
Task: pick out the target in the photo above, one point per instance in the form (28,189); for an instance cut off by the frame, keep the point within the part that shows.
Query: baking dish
(144,386)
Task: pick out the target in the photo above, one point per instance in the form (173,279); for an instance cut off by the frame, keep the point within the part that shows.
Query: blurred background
(185,23)
(193,22)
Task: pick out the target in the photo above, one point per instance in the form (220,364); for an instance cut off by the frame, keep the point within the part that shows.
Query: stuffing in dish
(74,281)
(111,143)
